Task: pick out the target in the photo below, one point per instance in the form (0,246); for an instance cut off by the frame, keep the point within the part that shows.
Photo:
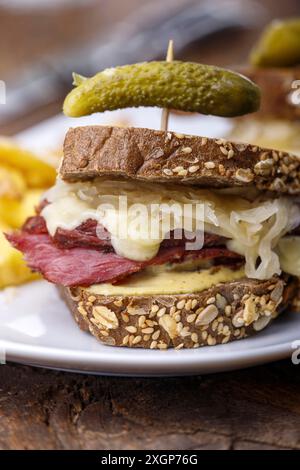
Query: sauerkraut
(253,227)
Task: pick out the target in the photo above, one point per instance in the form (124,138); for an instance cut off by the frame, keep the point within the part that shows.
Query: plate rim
(162,362)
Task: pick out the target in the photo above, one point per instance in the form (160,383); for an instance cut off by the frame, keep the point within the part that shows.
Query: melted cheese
(167,282)
(125,209)
(289,254)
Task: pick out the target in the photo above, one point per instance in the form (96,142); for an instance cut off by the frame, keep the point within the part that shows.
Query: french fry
(13,270)
(12,183)
(23,179)
(37,173)
(14,212)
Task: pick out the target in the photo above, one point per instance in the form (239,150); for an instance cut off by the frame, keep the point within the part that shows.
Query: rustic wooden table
(257,408)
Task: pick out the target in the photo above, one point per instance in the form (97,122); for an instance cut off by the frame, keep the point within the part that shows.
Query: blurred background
(42,42)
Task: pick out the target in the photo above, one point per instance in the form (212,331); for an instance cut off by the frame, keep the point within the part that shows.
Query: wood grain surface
(257,408)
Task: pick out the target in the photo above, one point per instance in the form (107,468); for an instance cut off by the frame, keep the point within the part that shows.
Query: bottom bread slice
(222,313)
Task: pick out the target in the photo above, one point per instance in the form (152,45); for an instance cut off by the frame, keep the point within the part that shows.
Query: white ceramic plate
(36,327)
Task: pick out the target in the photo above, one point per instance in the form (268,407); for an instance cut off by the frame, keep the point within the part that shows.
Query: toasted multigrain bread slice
(277,86)
(223,313)
(158,156)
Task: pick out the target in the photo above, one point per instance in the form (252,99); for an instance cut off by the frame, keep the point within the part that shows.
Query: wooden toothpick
(165,112)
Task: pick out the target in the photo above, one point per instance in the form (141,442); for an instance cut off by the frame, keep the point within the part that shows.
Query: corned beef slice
(83,236)
(71,267)
(86,266)
(35,225)
(86,236)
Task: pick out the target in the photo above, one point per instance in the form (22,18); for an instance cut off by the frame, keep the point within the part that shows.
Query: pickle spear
(279,45)
(185,86)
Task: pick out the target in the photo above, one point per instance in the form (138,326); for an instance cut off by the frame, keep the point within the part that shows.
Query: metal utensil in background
(142,35)
(41,4)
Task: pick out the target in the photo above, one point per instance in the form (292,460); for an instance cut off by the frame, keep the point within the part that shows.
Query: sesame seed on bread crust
(223,313)
(159,156)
